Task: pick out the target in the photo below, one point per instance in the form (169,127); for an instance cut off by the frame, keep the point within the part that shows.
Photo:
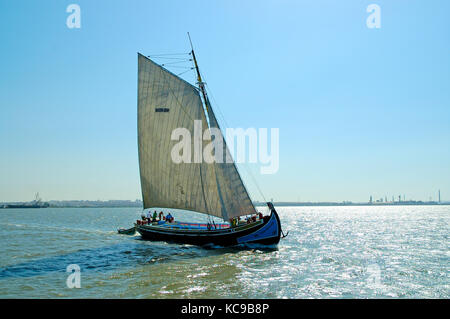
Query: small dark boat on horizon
(36,203)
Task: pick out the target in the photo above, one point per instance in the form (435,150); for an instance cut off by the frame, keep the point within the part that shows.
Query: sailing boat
(167,102)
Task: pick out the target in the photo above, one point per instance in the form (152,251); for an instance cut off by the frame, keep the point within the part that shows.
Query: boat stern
(269,234)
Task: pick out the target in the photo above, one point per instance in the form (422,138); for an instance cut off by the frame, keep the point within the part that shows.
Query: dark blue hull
(267,232)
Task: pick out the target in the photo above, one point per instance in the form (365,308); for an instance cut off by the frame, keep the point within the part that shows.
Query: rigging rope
(184,72)
(165,54)
(176,62)
(167,58)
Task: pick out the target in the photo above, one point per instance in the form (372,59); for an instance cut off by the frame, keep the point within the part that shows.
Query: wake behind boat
(167,103)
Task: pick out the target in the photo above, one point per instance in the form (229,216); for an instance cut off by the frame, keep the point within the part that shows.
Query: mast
(214,122)
(201,84)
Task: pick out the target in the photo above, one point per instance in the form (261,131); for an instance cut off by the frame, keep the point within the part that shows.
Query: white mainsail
(165,103)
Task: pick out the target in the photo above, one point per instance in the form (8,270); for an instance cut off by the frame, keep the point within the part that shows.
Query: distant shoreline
(138,204)
(406,203)
(73,204)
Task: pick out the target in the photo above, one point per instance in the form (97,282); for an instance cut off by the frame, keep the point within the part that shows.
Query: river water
(331,252)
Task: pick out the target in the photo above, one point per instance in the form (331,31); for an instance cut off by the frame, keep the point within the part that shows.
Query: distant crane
(37,199)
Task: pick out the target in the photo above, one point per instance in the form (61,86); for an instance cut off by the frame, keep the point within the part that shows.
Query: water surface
(331,252)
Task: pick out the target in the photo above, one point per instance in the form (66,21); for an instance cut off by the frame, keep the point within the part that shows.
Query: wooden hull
(267,232)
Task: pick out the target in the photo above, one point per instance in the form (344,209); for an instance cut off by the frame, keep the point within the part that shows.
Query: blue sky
(361,111)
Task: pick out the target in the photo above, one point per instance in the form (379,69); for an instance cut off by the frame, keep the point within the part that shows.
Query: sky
(361,111)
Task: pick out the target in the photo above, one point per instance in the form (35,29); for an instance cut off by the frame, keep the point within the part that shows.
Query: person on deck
(149,217)
(154,216)
(169,218)
(161,216)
